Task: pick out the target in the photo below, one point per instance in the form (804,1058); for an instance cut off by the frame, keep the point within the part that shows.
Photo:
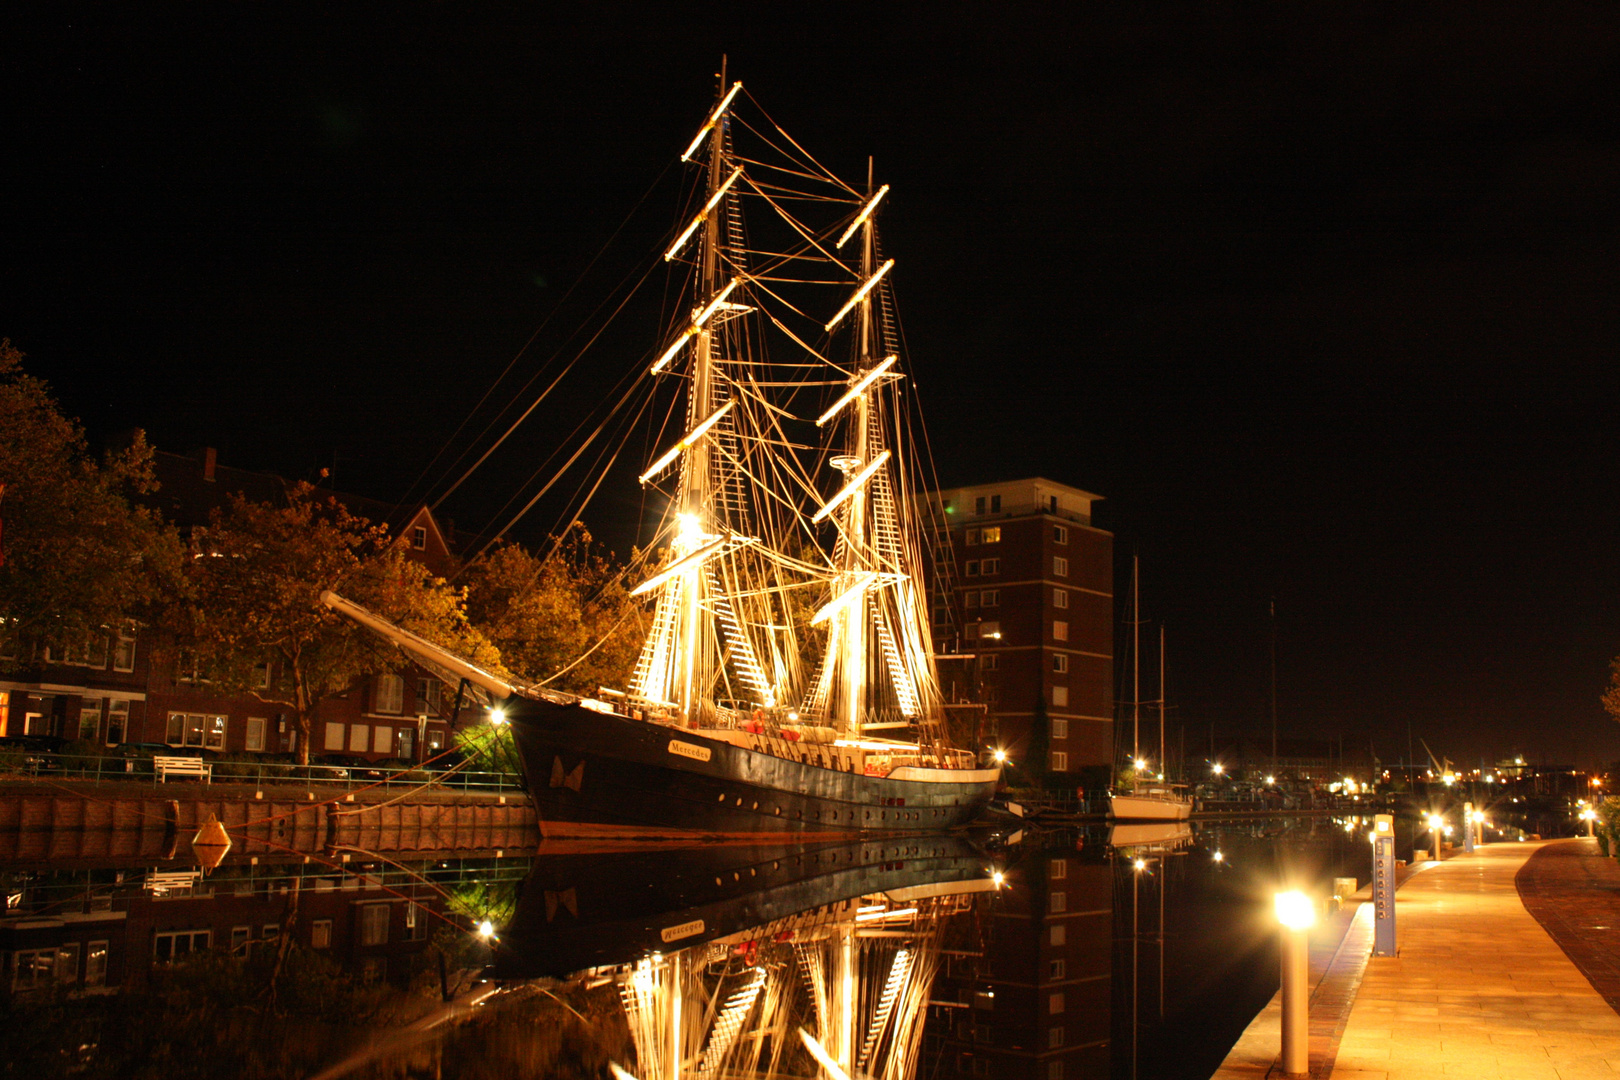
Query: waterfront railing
(34,765)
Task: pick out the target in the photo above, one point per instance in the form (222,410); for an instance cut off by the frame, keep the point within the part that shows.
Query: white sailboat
(1148,800)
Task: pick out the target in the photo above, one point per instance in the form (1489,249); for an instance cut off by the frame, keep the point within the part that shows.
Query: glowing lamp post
(1436,823)
(1296,913)
(1589,816)
(1477,823)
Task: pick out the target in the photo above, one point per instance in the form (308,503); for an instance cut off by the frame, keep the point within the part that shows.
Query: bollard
(1385,867)
(1296,914)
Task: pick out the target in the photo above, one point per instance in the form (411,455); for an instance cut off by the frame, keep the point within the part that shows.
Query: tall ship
(787,682)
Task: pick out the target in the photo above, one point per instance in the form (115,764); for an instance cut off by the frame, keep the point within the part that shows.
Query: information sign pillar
(1383,885)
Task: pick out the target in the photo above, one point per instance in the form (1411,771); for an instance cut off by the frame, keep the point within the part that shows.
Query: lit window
(1060,598)
(1060,630)
(390,694)
(1054,1005)
(1060,535)
(990,598)
(990,566)
(359,738)
(374,924)
(214,732)
(195,728)
(1060,663)
(1058,902)
(382,740)
(1060,724)
(95,964)
(334,736)
(320,934)
(992,535)
(173,944)
(67,963)
(117,720)
(1060,761)
(89,718)
(1060,566)
(33,968)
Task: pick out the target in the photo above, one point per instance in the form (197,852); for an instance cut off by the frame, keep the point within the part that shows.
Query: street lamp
(1217,768)
(1141,764)
(1436,822)
(1270,780)
(1589,816)
(1295,913)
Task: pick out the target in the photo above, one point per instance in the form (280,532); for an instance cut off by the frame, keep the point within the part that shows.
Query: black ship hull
(591,768)
(594,911)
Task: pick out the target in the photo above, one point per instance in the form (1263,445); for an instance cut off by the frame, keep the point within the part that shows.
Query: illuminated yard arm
(857,390)
(860,294)
(844,599)
(703,215)
(861,218)
(684,565)
(714,118)
(853,488)
(685,444)
(692,331)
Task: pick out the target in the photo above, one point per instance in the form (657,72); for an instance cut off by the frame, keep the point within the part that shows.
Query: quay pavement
(1479,989)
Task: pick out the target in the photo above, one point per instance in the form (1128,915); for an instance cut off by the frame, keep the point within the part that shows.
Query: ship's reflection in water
(1063,955)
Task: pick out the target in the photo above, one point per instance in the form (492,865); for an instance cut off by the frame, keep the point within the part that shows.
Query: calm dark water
(1058,955)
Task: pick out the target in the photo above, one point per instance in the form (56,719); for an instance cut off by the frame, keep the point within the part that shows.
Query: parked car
(31,754)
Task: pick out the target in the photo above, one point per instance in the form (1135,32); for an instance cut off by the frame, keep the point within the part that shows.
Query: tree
(76,558)
(1611,696)
(256,575)
(567,619)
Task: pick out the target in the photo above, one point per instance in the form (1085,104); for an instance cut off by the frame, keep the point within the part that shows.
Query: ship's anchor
(569,780)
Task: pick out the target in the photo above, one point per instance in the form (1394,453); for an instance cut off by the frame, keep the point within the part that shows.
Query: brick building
(1026,586)
(122,687)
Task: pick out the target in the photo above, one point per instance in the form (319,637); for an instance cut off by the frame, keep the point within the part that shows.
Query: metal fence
(80,767)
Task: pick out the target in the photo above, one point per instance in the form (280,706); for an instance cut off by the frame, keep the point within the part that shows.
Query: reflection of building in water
(855,975)
(1030,997)
(101,928)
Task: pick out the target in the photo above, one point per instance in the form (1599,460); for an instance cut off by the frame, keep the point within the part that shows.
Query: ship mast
(856,561)
(694,503)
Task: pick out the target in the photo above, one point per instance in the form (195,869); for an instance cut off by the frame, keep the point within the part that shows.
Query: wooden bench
(182,766)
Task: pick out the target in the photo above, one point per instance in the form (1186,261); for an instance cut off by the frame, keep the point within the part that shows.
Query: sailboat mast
(1162,767)
(1136,663)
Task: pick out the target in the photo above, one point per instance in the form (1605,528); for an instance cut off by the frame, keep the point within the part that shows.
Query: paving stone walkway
(1574,893)
(1479,988)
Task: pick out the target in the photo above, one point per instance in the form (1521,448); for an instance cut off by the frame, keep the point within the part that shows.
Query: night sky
(1322,301)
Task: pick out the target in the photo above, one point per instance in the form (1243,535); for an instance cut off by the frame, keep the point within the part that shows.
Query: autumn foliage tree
(255,577)
(76,557)
(566,620)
